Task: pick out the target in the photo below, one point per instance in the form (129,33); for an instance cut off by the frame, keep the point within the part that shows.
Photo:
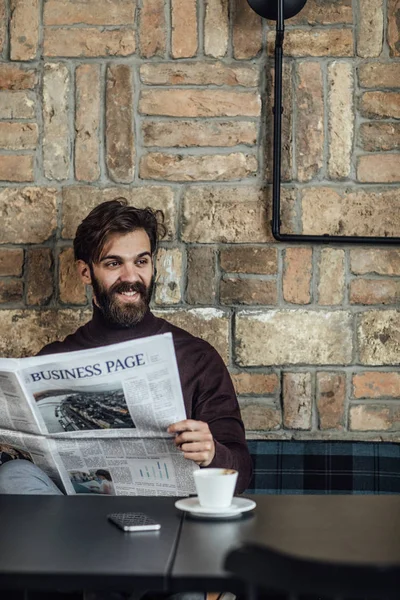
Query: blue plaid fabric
(322,467)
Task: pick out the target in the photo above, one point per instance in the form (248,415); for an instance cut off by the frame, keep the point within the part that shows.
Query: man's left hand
(195,440)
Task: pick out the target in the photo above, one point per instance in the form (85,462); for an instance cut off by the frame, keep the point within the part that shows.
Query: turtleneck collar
(102,332)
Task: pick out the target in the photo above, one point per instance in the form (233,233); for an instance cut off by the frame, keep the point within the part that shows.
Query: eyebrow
(116,257)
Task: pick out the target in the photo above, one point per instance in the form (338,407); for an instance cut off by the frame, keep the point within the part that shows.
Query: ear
(84,272)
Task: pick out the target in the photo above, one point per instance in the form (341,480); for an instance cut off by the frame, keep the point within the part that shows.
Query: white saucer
(238,506)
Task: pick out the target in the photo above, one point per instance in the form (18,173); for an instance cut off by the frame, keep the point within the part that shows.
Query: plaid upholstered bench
(324,467)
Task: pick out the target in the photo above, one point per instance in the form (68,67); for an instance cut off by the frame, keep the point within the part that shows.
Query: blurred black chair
(264,568)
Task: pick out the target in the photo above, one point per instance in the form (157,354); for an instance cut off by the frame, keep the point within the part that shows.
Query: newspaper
(96,421)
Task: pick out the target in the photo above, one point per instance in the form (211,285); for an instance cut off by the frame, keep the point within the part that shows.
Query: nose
(129,272)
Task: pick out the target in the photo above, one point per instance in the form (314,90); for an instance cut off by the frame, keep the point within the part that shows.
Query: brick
(374,291)
(286,125)
(11,262)
(70,287)
(152,29)
(78,201)
(361,213)
(341,119)
(246,32)
(186,134)
(262,384)
(331,285)
(379,74)
(184,36)
(236,290)
(331,12)
(294,337)
(24,29)
(249,259)
(209,167)
(56,140)
(18,136)
(90,12)
(87,123)
(88,42)
(25,332)
(168,288)
(310,124)
(199,103)
(297,400)
(375,260)
(379,168)
(375,384)
(331,397)
(17,78)
(205,73)
(120,146)
(297,275)
(39,281)
(21,214)
(289,220)
(378,335)
(260,415)
(224,214)
(372,418)
(11,290)
(370,29)
(393,30)
(209,324)
(201,275)
(315,42)
(381,104)
(3,24)
(216,28)
(375,137)
(16,167)
(17,105)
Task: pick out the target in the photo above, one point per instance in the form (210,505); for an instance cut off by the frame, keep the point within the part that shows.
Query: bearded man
(115,248)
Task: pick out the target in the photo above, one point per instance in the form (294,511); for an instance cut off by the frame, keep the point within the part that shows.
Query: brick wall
(169,103)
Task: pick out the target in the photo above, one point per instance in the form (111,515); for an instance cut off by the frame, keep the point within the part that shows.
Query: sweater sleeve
(216,404)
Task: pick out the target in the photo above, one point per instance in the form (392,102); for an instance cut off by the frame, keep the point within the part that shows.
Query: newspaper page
(100,417)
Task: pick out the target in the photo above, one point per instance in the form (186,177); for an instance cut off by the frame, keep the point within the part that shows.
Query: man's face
(122,280)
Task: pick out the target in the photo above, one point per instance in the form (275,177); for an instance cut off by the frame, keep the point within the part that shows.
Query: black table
(66,543)
(359,533)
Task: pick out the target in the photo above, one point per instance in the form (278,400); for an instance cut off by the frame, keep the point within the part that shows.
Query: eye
(142,261)
(111,264)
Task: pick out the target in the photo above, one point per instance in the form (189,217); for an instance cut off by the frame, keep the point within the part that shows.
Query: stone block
(11,291)
(260,415)
(378,337)
(297,273)
(74,42)
(18,136)
(370,29)
(56,137)
(16,167)
(372,418)
(200,73)
(281,337)
(89,12)
(341,119)
(186,134)
(21,214)
(184,34)
(379,168)
(376,137)
(262,260)
(17,105)
(246,31)
(331,398)
(382,74)
(70,287)
(13,77)
(208,167)
(375,260)
(310,122)
(380,105)
(374,291)
(24,29)
(316,42)
(152,29)
(39,281)
(257,384)
(168,288)
(375,384)
(331,285)
(225,214)
(201,275)
(216,28)
(11,262)
(239,290)
(120,146)
(199,103)
(87,122)
(297,400)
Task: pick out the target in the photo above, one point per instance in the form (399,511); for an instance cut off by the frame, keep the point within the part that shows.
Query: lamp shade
(269,8)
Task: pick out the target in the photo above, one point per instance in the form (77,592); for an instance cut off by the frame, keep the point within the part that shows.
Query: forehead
(126,244)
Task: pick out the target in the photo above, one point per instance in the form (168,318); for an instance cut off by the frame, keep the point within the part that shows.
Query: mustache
(125,286)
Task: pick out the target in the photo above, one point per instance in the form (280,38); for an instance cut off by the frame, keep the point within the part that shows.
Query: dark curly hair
(115,216)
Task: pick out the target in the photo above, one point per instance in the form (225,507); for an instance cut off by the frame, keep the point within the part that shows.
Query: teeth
(128,293)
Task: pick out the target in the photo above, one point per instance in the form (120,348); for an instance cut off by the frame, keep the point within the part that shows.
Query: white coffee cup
(215,487)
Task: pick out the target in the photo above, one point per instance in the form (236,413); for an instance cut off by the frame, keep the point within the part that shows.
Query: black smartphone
(133,521)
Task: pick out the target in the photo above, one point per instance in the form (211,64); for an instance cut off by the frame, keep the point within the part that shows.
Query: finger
(198,457)
(197,447)
(193,436)
(187,425)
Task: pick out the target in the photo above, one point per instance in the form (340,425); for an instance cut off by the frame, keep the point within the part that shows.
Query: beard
(123,314)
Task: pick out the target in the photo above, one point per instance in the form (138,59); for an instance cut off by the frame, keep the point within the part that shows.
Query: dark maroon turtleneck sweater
(206,385)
